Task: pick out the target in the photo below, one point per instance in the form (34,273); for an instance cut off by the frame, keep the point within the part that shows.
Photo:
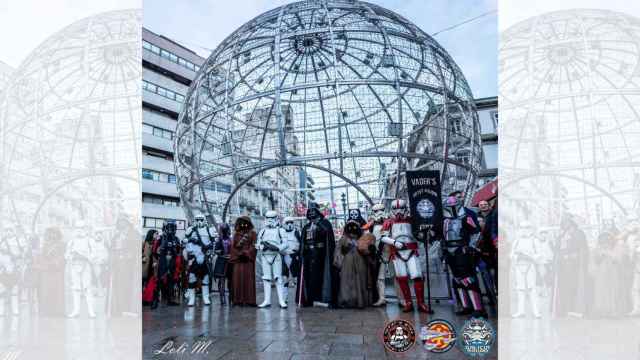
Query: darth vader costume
(318,281)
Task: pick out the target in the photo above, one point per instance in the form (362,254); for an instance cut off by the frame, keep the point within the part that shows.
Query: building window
(160,200)
(169,56)
(490,154)
(488,121)
(164,92)
(158,176)
(217,186)
(156,131)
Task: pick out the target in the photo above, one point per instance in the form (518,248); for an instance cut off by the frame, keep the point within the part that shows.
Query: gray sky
(203,24)
(25,24)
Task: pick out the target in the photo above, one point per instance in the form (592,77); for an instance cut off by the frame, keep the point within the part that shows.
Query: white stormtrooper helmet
(200,220)
(271,218)
(288,223)
(377,212)
(399,207)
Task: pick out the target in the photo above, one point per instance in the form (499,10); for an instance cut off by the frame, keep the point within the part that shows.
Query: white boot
(191,297)
(267,294)
(281,296)
(205,295)
(520,299)
(75,297)
(90,304)
(533,297)
(381,300)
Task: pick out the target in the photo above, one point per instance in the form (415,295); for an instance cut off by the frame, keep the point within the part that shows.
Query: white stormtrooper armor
(634,242)
(12,265)
(293,247)
(378,216)
(401,237)
(199,240)
(271,242)
(526,254)
(81,255)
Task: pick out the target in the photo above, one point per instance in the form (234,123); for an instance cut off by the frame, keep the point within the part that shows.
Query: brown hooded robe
(243,258)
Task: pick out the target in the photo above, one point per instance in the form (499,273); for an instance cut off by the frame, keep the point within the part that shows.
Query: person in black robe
(319,278)
(570,264)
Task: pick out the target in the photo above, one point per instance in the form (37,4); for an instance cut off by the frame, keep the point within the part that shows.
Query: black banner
(425,201)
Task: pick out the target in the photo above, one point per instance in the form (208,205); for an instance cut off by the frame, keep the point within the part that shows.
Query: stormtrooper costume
(199,240)
(460,224)
(81,255)
(291,253)
(525,255)
(378,217)
(404,253)
(13,258)
(271,242)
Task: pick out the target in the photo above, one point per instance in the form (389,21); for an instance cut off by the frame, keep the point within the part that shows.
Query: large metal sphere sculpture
(568,92)
(70,144)
(350,92)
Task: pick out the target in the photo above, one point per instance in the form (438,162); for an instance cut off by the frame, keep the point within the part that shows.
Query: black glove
(269,247)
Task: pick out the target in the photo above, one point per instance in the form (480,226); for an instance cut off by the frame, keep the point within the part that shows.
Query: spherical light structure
(345,92)
(70,144)
(569,91)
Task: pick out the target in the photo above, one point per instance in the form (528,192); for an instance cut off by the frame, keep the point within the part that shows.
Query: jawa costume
(243,258)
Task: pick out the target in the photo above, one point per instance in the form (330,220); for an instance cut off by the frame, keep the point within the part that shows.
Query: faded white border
(569,149)
(70,190)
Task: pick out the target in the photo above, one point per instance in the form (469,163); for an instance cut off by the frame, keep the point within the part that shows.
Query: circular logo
(476,337)
(425,208)
(438,336)
(399,336)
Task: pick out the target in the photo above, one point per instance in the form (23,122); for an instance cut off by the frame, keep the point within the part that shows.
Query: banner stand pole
(427,237)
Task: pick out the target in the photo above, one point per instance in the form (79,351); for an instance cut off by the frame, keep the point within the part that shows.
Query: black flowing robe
(319,277)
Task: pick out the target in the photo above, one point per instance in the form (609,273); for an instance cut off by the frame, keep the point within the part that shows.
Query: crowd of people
(344,272)
(69,271)
(572,271)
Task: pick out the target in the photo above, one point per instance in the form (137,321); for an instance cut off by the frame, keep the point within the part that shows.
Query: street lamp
(343,199)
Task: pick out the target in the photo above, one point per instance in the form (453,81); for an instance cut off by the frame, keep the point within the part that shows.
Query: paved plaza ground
(298,334)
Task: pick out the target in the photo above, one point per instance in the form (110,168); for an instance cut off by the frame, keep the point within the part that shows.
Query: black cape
(319,278)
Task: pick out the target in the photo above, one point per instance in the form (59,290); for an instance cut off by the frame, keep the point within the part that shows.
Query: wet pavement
(224,332)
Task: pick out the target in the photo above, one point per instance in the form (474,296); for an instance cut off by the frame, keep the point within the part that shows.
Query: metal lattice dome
(569,87)
(70,144)
(351,93)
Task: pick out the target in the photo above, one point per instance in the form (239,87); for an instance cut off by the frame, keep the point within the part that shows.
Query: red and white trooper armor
(404,253)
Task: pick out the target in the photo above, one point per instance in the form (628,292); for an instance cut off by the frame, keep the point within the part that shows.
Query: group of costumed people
(347,273)
(173,266)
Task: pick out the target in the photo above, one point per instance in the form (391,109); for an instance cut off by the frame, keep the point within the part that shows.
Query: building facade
(168,70)
(488,115)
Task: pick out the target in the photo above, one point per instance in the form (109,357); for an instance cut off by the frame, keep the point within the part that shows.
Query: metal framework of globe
(348,91)
(571,145)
